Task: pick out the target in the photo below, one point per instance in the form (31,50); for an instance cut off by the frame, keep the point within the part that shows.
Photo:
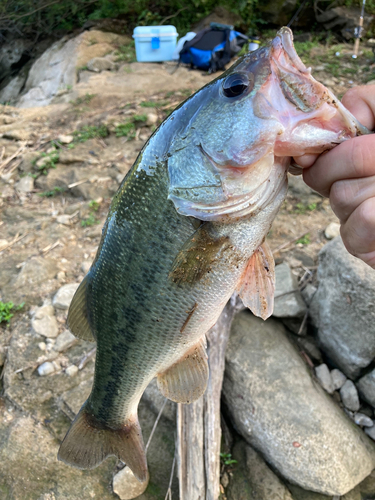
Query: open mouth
(286,36)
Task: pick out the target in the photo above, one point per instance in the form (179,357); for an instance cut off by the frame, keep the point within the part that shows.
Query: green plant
(226,459)
(91,220)
(5,311)
(53,192)
(86,99)
(301,208)
(126,53)
(305,240)
(90,132)
(51,159)
(94,205)
(149,104)
(128,128)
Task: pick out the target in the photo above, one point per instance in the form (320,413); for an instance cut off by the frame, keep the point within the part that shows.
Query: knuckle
(367,215)
(339,196)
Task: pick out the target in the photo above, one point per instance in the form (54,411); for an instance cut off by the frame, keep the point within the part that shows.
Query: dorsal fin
(186,380)
(257,286)
(77,316)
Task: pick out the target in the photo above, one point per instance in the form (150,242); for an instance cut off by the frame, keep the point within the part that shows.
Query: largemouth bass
(186,230)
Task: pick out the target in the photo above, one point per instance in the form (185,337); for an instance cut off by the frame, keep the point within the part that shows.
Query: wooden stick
(16,240)
(198,424)
(14,155)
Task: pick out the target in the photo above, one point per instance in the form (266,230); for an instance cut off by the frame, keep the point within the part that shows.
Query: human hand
(346,174)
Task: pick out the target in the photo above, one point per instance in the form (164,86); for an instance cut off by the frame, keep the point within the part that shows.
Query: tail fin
(88,443)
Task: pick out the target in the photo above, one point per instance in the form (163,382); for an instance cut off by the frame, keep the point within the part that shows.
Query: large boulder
(58,66)
(343,308)
(279,409)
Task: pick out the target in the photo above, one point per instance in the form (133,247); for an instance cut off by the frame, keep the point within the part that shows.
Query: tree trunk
(198,424)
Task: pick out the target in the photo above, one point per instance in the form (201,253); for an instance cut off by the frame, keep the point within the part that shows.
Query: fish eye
(236,84)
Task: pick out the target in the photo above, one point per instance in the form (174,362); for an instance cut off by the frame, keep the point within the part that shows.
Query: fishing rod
(358,31)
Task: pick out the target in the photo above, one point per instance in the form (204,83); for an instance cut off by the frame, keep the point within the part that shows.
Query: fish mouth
(285,35)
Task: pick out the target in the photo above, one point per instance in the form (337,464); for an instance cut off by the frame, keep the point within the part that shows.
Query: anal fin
(77,316)
(257,286)
(186,380)
(198,254)
(88,442)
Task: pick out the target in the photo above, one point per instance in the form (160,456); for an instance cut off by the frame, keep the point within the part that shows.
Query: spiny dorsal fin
(186,380)
(88,442)
(77,315)
(198,254)
(257,286)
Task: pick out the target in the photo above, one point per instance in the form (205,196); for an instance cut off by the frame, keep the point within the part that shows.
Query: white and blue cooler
(155,43)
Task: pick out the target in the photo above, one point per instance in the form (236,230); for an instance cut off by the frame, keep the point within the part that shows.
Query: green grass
(226,459)
(150,104)
(126,53)
(54,191)
(305,240)
(301,208)
(86,99)
(128,128)
(91,220)
(5,311)
(94,205)
(90,132)
(50,162)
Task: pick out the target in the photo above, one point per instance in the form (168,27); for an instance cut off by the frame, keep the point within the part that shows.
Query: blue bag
(212,48)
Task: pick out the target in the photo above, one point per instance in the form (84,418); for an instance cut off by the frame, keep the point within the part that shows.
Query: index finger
(360,101)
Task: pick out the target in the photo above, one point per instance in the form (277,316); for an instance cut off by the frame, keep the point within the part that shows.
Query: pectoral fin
(257,286)
(186,380)
(77,316)
(197,255)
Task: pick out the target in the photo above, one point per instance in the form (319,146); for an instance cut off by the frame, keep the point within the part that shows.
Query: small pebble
(42,346)
(324,377)
(44,321)
(64,219)
(152,118)
(363,420)
(338,379)
(332,230)
(61,275)
(65,139)
(72,370)
(46,368)
(349,396)
(64,341)
(3,244)
(64,296)
(85,266)
(370,431)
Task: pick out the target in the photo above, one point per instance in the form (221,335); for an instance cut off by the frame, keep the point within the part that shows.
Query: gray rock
(274,403)
(288,300)
(85,266)
(324,376)
(44,322)
(71,370)
(64,341)
(349,396)
(338,379)
(301,494)
(126,485)
(363,420)
(64,296)
(98,64)
(343,308)
(10,92)
(25,184)
(308,293)
(366,387)
(46,368)
(28,161)
(65,139)
(370,431)
(252,478)
(332,231)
